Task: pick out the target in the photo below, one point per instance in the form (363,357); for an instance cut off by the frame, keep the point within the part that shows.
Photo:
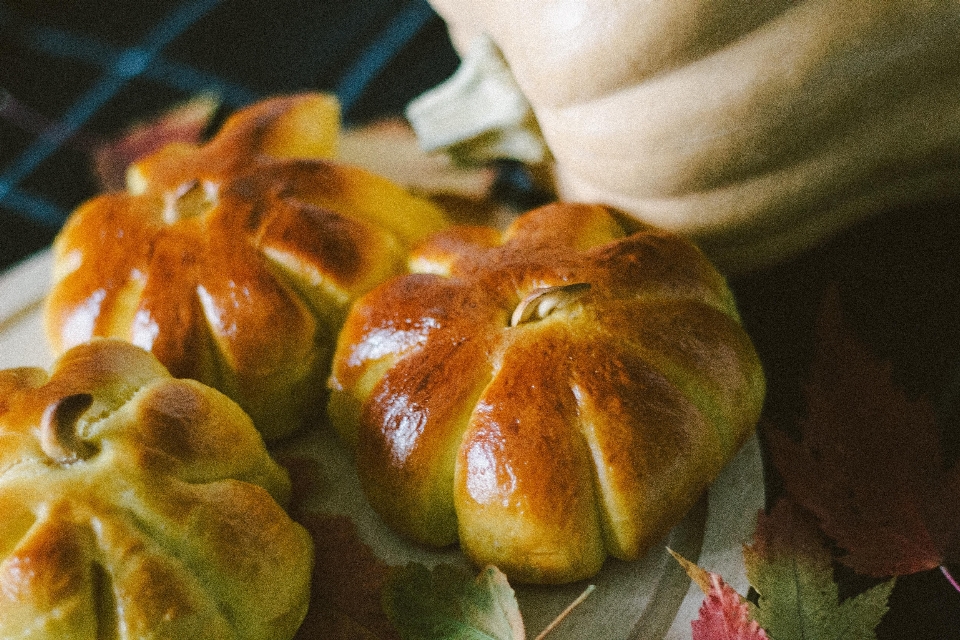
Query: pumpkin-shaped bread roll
(548,396)
(234,261)
(137,505)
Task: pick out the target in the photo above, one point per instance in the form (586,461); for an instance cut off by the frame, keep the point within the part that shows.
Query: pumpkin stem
(189,200)
(58,429)
(480,113)
(541,302)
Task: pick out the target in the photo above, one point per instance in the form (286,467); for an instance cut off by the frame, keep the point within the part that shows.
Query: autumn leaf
(869,464)
(789,565)
(186,122)
(306,479)
(348,580)
(700,576)
(724,614)
(450,602)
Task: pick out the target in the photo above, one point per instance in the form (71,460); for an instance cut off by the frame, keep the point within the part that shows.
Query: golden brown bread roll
(234,262)
(138,505)
(547,396)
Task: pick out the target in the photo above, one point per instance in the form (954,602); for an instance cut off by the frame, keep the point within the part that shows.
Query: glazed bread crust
(584,425)
(234,262)
(155,512)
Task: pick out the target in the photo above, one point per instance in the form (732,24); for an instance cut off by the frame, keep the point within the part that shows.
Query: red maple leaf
(186,122)
(724,615)
(869,463)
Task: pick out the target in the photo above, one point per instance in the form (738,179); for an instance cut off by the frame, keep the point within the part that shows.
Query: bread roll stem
(541,302)
(58,429)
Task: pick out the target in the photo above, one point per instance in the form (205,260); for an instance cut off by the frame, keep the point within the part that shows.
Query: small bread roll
(234,262)
(138,505)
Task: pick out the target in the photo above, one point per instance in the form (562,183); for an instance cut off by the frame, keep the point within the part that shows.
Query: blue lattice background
(74,74)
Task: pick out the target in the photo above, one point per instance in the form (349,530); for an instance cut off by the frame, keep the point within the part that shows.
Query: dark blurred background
(73,74)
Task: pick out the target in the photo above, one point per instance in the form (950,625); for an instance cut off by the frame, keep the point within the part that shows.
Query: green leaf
(869,606)
(789,565)
(450,602)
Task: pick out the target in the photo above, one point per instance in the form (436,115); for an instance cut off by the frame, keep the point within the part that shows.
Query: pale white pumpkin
(759,128)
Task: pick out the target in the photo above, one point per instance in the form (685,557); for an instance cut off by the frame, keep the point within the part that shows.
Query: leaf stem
(946,574)
(566,612)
